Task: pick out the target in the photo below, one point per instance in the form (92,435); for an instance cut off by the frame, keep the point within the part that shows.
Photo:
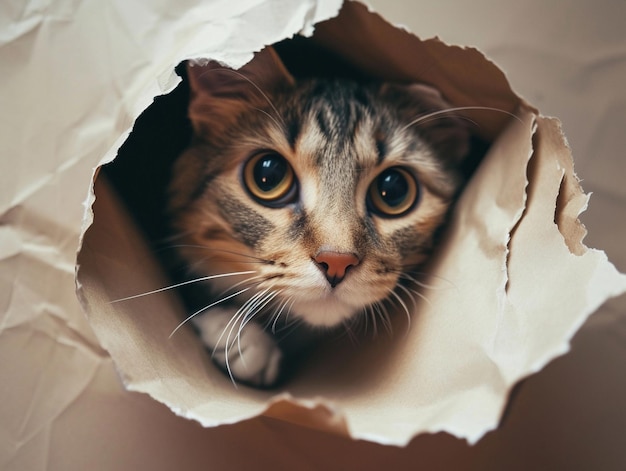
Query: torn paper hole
(467,346)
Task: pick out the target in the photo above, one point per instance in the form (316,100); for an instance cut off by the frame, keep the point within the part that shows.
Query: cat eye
(270,179)
(393,193)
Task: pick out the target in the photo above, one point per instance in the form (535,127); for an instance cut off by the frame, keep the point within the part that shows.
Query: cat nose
(335,265)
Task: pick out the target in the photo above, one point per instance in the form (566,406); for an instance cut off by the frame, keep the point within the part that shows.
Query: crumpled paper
(74,78)
(509,289)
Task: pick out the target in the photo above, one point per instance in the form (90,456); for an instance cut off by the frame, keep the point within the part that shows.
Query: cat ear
(219,94)
(446,132)
(264,73)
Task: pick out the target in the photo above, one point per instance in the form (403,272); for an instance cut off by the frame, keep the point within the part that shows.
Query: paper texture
(75,76)
(507,293)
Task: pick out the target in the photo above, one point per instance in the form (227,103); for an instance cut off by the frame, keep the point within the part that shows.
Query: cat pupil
(269,172)
(269,179)
(393,188)
(393,193)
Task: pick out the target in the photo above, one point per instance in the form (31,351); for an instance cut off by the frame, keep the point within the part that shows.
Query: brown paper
(510,288)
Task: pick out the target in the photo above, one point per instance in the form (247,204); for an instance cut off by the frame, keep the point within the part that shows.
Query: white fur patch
(249,355)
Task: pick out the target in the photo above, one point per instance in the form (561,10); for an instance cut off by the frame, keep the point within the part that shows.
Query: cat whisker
(410,293)
(436,118)
(270,324)
(370,317)
(228,326)
(367,312)
(292,326)
(254,310)
(283,307)
(240,315)
(428,116)
(404,307)
(221,300)
(270,117)
(354,339)
(251,280)
(276,314)
(178,285)
(383,314)
(289,324)
(199,262)
(404,275)
(218,249)
(247,311)
(232,322)
(248,314)
(421,295)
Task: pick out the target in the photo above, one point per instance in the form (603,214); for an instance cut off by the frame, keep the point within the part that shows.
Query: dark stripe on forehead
(381,148)
(338,107)
(382,132)
(293,130)
(338,122)
(323,122)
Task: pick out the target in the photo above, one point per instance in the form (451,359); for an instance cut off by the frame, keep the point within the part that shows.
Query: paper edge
(168,80)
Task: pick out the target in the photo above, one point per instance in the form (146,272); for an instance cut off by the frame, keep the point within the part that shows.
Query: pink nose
(335,265)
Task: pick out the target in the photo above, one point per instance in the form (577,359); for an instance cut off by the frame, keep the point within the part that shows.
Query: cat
(308,202)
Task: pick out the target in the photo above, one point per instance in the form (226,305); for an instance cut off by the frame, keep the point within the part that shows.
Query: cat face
(323,191)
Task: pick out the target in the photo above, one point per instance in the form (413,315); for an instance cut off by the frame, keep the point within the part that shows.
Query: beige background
(63,407)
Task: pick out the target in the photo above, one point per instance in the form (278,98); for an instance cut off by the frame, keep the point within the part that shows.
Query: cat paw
(251,356)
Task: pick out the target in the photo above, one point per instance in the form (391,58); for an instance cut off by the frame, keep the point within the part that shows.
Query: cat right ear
(264,73)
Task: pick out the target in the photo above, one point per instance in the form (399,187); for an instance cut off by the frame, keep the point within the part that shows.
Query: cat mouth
(331,306)
(320,301)
(327,311)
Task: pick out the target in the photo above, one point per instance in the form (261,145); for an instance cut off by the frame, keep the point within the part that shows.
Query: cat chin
(324,312)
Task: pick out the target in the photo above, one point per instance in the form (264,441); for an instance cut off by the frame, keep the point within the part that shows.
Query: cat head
(329,191)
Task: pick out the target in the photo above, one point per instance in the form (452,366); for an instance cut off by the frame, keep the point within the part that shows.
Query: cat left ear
(264,73)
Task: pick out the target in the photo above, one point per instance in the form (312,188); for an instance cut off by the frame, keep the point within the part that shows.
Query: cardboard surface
(62,405)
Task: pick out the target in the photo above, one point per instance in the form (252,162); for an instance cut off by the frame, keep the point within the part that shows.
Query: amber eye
(270,179)
(393,193)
